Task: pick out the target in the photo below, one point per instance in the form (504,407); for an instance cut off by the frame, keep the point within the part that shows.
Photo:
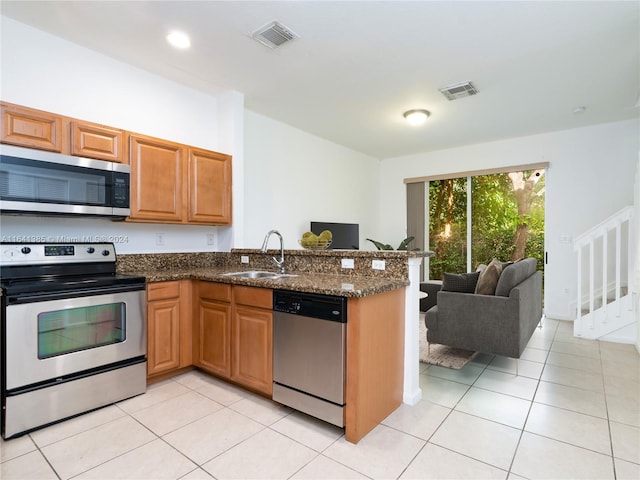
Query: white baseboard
(413,398)
(627,334)
(559,316)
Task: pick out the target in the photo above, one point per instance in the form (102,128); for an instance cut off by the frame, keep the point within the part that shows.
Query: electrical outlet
(244,259)
(347,263)
(211,238)
(378,264)
(159,238)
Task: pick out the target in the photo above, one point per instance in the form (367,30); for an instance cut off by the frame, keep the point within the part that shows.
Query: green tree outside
(507,220)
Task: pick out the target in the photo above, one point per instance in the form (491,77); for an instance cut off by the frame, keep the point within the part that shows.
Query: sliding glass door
(473,219)
(447,226)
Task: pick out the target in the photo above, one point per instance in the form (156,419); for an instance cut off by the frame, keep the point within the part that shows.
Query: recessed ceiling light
(179,39)
(416,116)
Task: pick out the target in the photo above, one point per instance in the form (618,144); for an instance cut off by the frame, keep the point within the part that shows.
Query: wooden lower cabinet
(375,361)
(212,329)
(233,334)
(227,330)
(252,364)
(168,327)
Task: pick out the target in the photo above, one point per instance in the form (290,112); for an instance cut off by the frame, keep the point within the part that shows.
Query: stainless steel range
(73,335)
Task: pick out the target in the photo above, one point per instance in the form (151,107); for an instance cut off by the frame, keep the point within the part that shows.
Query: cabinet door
(97,141)
(213,337)
(32,128)
(209,186)
(163,336)
(156,180)
(252,348)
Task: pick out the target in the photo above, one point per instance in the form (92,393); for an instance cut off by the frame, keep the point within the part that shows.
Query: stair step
(597,301)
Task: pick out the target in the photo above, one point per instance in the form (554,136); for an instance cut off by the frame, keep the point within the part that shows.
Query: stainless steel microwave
(47,183)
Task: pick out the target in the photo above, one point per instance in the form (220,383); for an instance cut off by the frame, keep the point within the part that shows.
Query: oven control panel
(51,253)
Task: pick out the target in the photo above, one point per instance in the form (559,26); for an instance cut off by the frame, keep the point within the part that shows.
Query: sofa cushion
(489,277)
(514,274)
(460,282)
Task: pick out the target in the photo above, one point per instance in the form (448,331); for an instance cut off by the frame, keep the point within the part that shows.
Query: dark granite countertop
(317,271)
(341,285)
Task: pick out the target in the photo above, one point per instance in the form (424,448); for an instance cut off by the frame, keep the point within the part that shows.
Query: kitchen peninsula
(192,318)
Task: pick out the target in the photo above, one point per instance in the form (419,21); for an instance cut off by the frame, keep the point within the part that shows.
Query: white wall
(282,177)
(590,177)
(292,178)
(45,72)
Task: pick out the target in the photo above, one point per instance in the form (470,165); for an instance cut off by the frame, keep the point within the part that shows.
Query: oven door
(53,339)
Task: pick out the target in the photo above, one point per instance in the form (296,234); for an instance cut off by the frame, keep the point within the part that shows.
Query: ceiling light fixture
(416,116)
(179,39)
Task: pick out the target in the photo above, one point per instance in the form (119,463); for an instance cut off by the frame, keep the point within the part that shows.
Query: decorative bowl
(322,245)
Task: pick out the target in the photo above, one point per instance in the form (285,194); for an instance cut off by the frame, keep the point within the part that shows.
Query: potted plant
(385,246)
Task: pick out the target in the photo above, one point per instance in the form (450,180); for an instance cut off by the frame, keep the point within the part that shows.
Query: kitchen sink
(255,274)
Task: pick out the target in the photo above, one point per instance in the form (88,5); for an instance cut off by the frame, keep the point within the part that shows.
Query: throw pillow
(460,282)
(489,278)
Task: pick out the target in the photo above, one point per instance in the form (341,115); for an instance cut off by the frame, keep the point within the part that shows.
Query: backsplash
(296,261)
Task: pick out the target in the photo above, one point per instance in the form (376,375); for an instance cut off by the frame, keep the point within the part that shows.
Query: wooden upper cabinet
(174,183)
(156,180)
(170,182)
(32,128)
(98,141)
(209,184)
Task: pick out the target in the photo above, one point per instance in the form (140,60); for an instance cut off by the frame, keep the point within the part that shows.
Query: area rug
(442,355)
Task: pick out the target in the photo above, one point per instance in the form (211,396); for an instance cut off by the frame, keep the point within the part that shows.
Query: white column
(412,392)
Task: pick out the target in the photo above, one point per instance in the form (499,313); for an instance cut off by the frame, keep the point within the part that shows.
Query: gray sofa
(500,324)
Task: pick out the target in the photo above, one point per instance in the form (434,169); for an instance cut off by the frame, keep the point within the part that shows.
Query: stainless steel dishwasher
(309,357)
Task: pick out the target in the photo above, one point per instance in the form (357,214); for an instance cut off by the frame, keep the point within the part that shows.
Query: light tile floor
(572,412)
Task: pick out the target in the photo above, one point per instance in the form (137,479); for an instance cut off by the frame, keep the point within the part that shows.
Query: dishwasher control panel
(325,307)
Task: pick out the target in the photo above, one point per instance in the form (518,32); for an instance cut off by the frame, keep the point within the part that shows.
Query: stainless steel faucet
(279,263)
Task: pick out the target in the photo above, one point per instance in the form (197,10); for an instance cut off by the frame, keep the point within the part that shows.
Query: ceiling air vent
(273,35)
(459,90)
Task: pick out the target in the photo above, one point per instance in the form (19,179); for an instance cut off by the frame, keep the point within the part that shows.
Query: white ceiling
(358,65)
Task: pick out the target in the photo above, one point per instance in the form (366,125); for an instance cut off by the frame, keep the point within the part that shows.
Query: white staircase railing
(605,255)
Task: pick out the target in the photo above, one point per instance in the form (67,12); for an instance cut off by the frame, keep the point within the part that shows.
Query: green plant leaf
(405,243)
(386,246)
(379,246)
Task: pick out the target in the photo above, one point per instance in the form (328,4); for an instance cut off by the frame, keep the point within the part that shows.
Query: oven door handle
(17,299)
